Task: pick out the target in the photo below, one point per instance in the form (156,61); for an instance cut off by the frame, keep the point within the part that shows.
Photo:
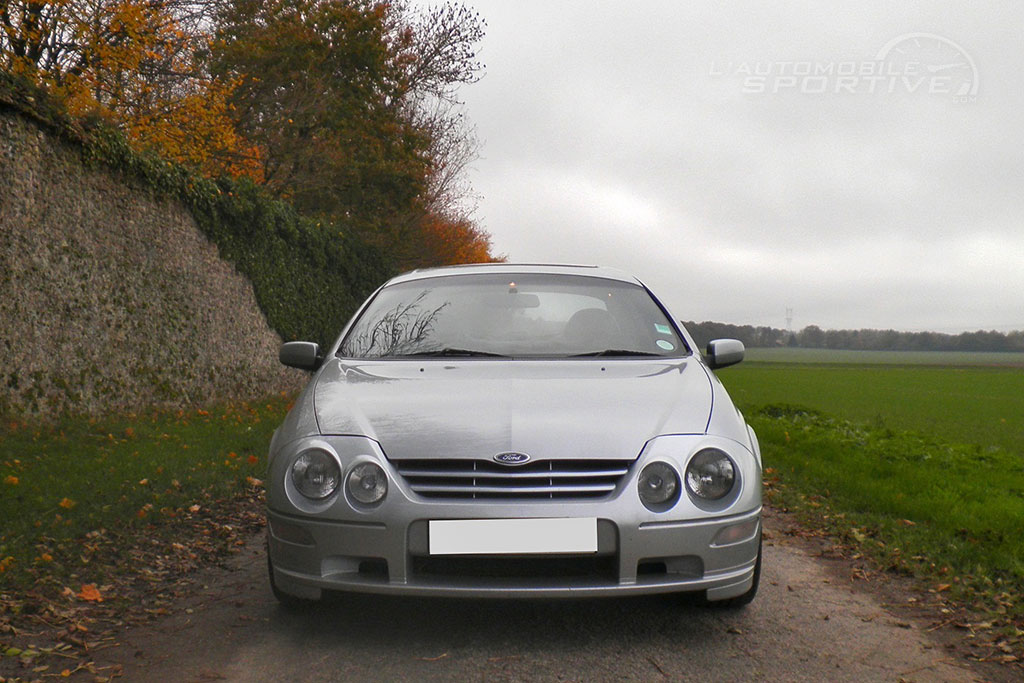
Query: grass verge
(73,493)
(948,514)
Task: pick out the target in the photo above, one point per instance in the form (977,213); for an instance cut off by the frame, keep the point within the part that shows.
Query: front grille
(482,479)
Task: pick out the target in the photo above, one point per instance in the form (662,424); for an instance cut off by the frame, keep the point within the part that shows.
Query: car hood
(547,409)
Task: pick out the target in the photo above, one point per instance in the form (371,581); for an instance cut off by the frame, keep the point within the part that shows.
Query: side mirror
(724,352)
(300,354)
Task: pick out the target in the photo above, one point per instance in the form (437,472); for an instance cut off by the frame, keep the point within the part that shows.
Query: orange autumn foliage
(446,241)
(131,63)
(198,131)
(344,109)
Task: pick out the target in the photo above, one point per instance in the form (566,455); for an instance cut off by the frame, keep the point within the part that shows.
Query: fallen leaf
(67,503)
(433,659)
(89,593)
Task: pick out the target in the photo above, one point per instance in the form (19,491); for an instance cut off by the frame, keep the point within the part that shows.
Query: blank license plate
(513,536)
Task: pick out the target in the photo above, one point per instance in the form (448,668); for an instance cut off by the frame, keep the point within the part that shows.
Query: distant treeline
(813,337)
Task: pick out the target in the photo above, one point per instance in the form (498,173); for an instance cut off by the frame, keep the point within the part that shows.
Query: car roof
(545,268)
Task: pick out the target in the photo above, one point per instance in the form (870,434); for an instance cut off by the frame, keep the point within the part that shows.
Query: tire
(744,599)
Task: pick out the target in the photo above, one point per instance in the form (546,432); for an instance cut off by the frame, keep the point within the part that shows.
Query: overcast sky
(860,163)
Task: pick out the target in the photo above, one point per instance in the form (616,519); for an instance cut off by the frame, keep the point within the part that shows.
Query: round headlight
(658,485)
(367,483)
(316,474)
(710,474)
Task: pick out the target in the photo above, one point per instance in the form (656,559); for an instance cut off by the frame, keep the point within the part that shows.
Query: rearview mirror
(511,300)
(724,352)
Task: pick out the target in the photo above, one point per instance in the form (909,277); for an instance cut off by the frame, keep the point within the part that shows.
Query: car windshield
(512,315)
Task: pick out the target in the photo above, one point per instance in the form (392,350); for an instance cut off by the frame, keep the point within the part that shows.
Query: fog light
(736,533)
(658,486)
(710,474)
(367,483)
(316,474)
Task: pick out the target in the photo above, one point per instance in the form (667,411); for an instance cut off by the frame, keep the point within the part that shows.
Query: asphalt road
(808,623)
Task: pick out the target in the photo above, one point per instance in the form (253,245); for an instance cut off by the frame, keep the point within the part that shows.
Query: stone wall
(112,299)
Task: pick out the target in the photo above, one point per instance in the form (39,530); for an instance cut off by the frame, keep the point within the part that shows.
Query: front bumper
(394,558)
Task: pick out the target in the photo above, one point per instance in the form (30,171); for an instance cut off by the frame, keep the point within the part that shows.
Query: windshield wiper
(449,352)
(614,352)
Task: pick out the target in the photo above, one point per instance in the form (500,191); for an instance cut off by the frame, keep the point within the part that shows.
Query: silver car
(514,431)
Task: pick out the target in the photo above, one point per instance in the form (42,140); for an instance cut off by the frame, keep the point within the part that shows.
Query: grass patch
(980,405)
(918,464)
(948,513)
(70,491)
(849,357)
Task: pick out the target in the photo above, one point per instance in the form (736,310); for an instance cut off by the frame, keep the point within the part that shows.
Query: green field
(963,403)
(917,459)
(834,356)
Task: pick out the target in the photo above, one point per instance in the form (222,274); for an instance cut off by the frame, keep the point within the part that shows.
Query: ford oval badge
(511,458)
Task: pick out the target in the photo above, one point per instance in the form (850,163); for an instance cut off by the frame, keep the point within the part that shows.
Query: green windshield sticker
(663,329)
(667,345)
